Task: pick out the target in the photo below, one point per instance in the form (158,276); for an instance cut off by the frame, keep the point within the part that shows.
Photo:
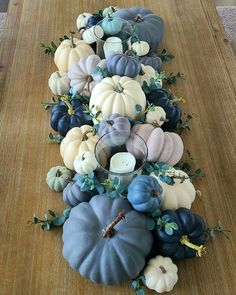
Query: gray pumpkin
(153,60)
(58,177)
(117,127)
(72,195)
(149,26)
(106,255)
(126,64)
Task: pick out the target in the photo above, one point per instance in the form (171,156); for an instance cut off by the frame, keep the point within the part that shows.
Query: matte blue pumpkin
(66,116)
(153,60)
(112,25)
(190,227)
(126,64)
(149,26)
(117,126)
(162,98)
(72,195)
(93,20)
(144,193)
(101,254)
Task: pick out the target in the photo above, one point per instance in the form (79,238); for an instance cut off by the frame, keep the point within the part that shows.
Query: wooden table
(31,260)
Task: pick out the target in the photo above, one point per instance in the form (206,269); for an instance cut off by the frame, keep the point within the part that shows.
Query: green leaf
(169,231)
(66,212)
(150,223)
(156,213)
(46,226)
(51,213)
(134,285)
(166,56)
(59,220)
(174,226)
(140,291)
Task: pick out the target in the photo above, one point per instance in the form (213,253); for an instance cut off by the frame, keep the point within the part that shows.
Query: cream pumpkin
(59,83)
(161,274)
(140,47)
(77,141)
(117,95)
(85,163)
(146,74)
(156,116)
(69,52)
(180,194)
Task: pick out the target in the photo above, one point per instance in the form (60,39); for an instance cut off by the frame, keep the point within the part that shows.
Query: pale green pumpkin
(58,177)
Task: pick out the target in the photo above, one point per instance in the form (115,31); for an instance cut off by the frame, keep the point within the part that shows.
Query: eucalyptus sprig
(50,219)
(161,170)
(166,56)
(172,78)
(183,124)
(218,229)
(90,115)
(51,49)
(54,138)
(114,188)
(169,227)
(89,182)
(153,85)
(102,72)
(49,104)
(138,285)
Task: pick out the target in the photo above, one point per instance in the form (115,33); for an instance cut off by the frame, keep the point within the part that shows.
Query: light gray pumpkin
(153,60)
(101,252)
(58,177)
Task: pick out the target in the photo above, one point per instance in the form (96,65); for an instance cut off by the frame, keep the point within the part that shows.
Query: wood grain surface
(31,260)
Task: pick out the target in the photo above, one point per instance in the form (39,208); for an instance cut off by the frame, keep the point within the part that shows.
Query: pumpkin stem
(154,194)
(164,120)
(142,73)
(131,53)
(138,19)
(119,88)
(163,270)
(110,17)
(200,250)
(58,74)
(72,39)
(84,135)
(58,173)
(87,85)
(113,9)
(109,231)
(110,122)
(177,99)
(71,111)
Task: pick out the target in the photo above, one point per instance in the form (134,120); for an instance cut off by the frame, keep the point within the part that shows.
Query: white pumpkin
(92,34)
(117,95)
(59,83)
(69,52)
(181,194)
(82,19)
(85,163)
(146,74)
(77,141)
(109,10)
(140,47)
(161,274)
(156,116)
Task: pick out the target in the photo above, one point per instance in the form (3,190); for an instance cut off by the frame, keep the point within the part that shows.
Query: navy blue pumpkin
(162,98)
(67,115)
(185,242)
(93,20)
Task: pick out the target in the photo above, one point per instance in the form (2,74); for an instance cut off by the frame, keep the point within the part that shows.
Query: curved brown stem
(109,231)
(138,19)
(72,39)
(130,52)
(110,122)
(58,173)
(88,82)
(84,135)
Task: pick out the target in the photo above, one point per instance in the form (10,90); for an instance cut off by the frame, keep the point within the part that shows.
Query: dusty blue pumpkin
(112,25)
(153,60)
(149,26)
(106,257)
(144,193)
(126,64)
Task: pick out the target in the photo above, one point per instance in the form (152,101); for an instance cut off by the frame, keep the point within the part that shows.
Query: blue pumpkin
(112,25)
(144,193)
(67,115)
(153,60)
(101,246)
(93,20)
(162,98)
(126,64)
(185,242)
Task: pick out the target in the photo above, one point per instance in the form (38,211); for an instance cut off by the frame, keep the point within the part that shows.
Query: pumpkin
(93,20)
(92,34)
(81,74)
(111,24)
(156,116)
(160,274)
(69,52)
(101,246)
(58,177)
(179,194)
(81,20)
(149,27)
(72,194)
(85,163)
(146,73)
(153,60)
(117,128)
(59,83)
(161,97)
(109,10)
(187,240)
(77,141)
(66,115)
(140,47)
(162,146)
(144,194)
(117,95)
(124,64)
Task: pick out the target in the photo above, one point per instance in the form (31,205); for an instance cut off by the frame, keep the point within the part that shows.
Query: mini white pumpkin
(85,162)
(181,194)
(59,83)
(92,34)
(156,116)
(109,10)
(146,74)
(58,177)
(161,274)
(140,47)
(117,95)
(81,20)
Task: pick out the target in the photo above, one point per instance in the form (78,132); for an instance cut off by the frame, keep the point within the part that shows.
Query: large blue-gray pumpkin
(101,245)
(149,26)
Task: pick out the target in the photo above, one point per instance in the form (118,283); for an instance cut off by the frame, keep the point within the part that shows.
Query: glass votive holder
(115,157)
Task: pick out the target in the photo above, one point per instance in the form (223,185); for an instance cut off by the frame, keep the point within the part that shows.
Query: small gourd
(146,73)
(85,162)
(92,34)
(156,116)
(160,274)
(109,10)
(58,177)
(112,25)
(82,19)
(59,83)
(153,60)
(140,47)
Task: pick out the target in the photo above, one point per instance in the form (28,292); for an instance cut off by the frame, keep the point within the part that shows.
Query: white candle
(113,45)
(122,162)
